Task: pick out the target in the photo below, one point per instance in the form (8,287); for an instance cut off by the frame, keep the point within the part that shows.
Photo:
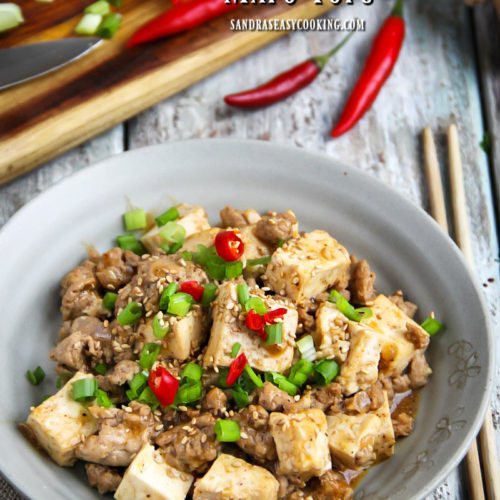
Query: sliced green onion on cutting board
(88,24)
(11,16)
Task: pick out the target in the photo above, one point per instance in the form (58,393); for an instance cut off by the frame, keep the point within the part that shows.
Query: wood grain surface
(437,81)
(46,116)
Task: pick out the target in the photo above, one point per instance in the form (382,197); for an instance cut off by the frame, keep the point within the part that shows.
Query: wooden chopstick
(486,435)
(438,211)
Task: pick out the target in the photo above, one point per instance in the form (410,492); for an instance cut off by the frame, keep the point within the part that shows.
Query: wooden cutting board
(43,118)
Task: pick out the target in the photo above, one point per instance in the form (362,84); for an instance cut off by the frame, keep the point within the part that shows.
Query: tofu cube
(360,369)
(254,247)
(185,335)
(149,476)
(308,265)
(60,423)
(357,441)
(301,442)
(330,335)
(397,347)
(228,328)
(206,238)
(230,478)
(192,219)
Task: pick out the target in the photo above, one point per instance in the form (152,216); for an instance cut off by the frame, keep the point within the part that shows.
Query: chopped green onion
(137,385)
(134,219)
(148,355)
(192,371)
(116,3)
(171,249)
(187,256)
(14,10)
(257,304)
(240,396)
(243,293)
(221,380)
(84,389)
(36,376)
(159,331)
(103,399)
(282,382)
(300,372)
(180,304)
(100,7)
(325,371)
(235,350)
(233,269)
(227,431)
(172,232)
(62,379)
(170,215)
(129,315)
(253,376)
(432,325)
(129,242)
(216,268)
(147,397)
(189,392)
(101,368)
(348,309)
(109,300)
(109,25)
(306,348)
(209,292)
(258,262)
(274,334)
(281,243)
(88,24)
(165,296)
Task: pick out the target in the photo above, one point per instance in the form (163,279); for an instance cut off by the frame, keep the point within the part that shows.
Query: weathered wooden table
(449,71)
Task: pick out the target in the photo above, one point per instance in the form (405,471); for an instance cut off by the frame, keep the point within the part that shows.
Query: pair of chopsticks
(462,236)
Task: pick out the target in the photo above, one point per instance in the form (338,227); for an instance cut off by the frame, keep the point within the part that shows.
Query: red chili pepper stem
(322,60)
(398,9)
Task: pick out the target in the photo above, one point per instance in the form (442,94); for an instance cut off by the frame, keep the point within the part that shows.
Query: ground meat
(419,371)
(274,228)
(79,293)
(386,385)
(272,398)
(88,342)
(362,282)
(376,396)
(120,436)
(215,401)
(401,383)
(331,485)
(231,217)
(103,478)
(306,321)
(121,373)
(256,440)
(416,336)
(402,424)
(328,399)
(359,403)
(116,267)
(409,308)
(191,447)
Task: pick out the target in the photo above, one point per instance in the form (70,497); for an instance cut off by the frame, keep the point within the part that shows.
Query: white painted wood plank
(434,83)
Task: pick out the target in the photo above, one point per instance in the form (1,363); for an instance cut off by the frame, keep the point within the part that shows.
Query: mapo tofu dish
(247,360)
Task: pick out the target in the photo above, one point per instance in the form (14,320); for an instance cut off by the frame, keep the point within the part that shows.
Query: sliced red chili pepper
(193,288)
(270,317)
(236,369)
(254,321)
(164,385)
(229,246)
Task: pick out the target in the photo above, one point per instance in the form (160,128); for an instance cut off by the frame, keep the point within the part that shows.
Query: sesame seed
(244,435)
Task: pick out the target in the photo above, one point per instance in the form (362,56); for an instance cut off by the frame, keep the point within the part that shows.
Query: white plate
(405,246)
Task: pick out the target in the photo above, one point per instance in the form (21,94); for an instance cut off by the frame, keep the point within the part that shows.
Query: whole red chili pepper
(182,16)
(285,84)
(378,67)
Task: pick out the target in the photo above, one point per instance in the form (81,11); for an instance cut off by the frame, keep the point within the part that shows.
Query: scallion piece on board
(170,215)
(84,389)
(306,348)
(116,3)
(134,219)
(227,431)
(148,355)
(432,325)
(88,24)
(36,376)
(109,25)
(109,300)
(11,16)
(129,315)
(100,7)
